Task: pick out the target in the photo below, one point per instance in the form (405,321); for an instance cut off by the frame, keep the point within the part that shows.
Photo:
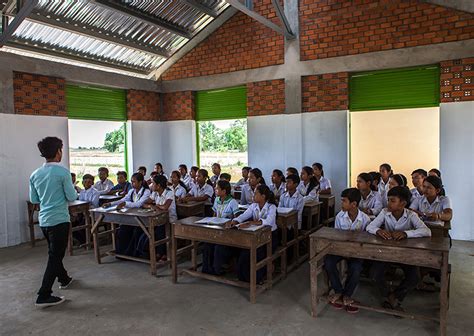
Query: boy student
(216,170)
(51,187)
(352,219)
(104,185)
(417,178)
(225,177)
(142,170)
(123,186)
(244,179)
(74,183)
(187,180)
(88,194)
(399,223)
(292,198)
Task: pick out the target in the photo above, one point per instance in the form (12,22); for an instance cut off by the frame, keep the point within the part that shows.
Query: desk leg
(194,255)
(443,317)
(314,288)
(151,242)
(88,229)
(95,237)
(253,274)
(114,242)
(69,240)
(270,265)
(284,256)
(174,246)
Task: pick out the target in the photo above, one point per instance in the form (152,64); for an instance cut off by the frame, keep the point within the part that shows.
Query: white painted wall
(178,144)
(144,140)
(457,164)
(19,157)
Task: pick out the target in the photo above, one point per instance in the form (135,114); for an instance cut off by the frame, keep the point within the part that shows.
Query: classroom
(236,167)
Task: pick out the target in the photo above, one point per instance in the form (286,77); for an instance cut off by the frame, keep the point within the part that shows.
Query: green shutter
(96,103)
(394,89)
(223,104)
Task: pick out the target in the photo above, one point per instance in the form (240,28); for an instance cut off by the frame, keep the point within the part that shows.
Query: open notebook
(213,221)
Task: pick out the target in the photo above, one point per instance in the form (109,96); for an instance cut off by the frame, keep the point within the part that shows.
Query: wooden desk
(328,208)
(284,221)
(312,211)
(188,229)
(190,209)
(424,252)
(147,221)
(438,230)
(75,207)
(108,198)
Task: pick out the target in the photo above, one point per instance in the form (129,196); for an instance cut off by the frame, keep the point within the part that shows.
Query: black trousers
(57,238)
(408,283)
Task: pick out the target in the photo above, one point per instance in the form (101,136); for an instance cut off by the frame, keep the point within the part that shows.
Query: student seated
(324,183)
(434,172)
(398,223)
(202,190)
(123,186)
(216,172)
(74,183)
(371,202)
(291,171)
(193,174)
(177,186)
(262,212)
(248,190)
(149,181)
(162,199)
(225,177)
(375,180)
(158,168)
(417,178)
(214,257)
(386,172)
(88,194)
(433,205)
(308,187)
(127,236)
(397,180)
(183,170)
(104,185)
(292,199)
(352,219)
(142,170)
(278,185)
(244,179)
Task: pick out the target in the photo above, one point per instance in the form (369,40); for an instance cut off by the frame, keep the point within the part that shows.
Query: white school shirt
(214,179)
(161,200)
(247,195)
(415,194)
(324,183)
(226,209)
(409,222)
(344,222)
(313,195)
(205,190)
(187,180)
(372,202)
(242,182)
(90,195)
(104,187)
(295,201)
(278,191)
(439,204)
(179,191)
(383,187)
(267,215)
(134,199)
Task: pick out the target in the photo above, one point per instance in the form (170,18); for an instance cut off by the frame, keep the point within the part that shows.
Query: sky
(88,133)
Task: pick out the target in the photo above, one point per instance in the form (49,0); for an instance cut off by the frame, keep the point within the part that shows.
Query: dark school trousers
(354,267)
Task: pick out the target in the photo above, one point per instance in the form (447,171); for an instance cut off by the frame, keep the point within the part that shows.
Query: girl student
(386,172)
(291,171)
(248,190)
(308,187)
(225,206)
(187,180)
(397,180)
(324,183)
(371,202)
(127,236)
(161,199)
(278,185)
(417,178)
(193,173)
(375,180)
(202,190)
(159,169)
(177,186)
(434,205)
(261,213)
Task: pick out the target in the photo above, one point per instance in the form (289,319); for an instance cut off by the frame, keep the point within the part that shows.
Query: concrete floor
(121,298)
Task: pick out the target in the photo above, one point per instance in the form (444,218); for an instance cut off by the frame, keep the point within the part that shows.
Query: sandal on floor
(336,301)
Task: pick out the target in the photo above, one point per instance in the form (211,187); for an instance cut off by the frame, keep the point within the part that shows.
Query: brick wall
(143,105)
(266,97)
(327,92)
(178,106)
(457,80)
(331,28)
(39,95)
(240,43)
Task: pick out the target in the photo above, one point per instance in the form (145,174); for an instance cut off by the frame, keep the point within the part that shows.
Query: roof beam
(84,29)
(142,16)
(23,12)
(281,14)
(200,7)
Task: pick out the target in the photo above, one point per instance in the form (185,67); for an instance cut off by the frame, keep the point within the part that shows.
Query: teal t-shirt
(51,187)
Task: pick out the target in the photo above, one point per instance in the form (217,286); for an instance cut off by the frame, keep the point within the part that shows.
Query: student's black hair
(73,174)
(320,167)
(153,173)
(178,174)
(436,171)
(194,168)
(265,191)
(436,182)
(123,173)
(375,178)
(387,168)
(313,182)
(403,193)
(400,179)
(216,164)
(420,171)
(225,185)
(295,178)
(225,176)
(183,166)
(279,174)
(49,146)
(142,168)
(160,180)
(247,168)
(161,167)
(204,173)
(88,177)
(140,178)
(103,169)
(258,174)
(292,170)
(352,194)
(367,177)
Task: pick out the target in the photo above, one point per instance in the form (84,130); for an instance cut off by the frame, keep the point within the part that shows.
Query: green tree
(211,137)
(114,139)
(236,136)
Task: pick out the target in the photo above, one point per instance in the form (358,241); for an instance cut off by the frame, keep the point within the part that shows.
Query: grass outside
(87,161)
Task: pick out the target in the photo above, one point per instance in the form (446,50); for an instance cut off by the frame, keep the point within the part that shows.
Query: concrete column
(292,59)
(6,90)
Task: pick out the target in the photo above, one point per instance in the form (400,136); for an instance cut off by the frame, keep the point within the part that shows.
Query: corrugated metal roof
(130,35)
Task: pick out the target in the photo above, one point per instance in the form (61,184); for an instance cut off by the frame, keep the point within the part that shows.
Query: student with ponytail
(177,186)
(371,201)
(434,205)
(324,183)
(397,180)
(278,185)
(202,190)
(248,190)
(308,187)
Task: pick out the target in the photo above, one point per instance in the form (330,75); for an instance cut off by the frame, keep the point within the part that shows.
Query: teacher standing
(51,187)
